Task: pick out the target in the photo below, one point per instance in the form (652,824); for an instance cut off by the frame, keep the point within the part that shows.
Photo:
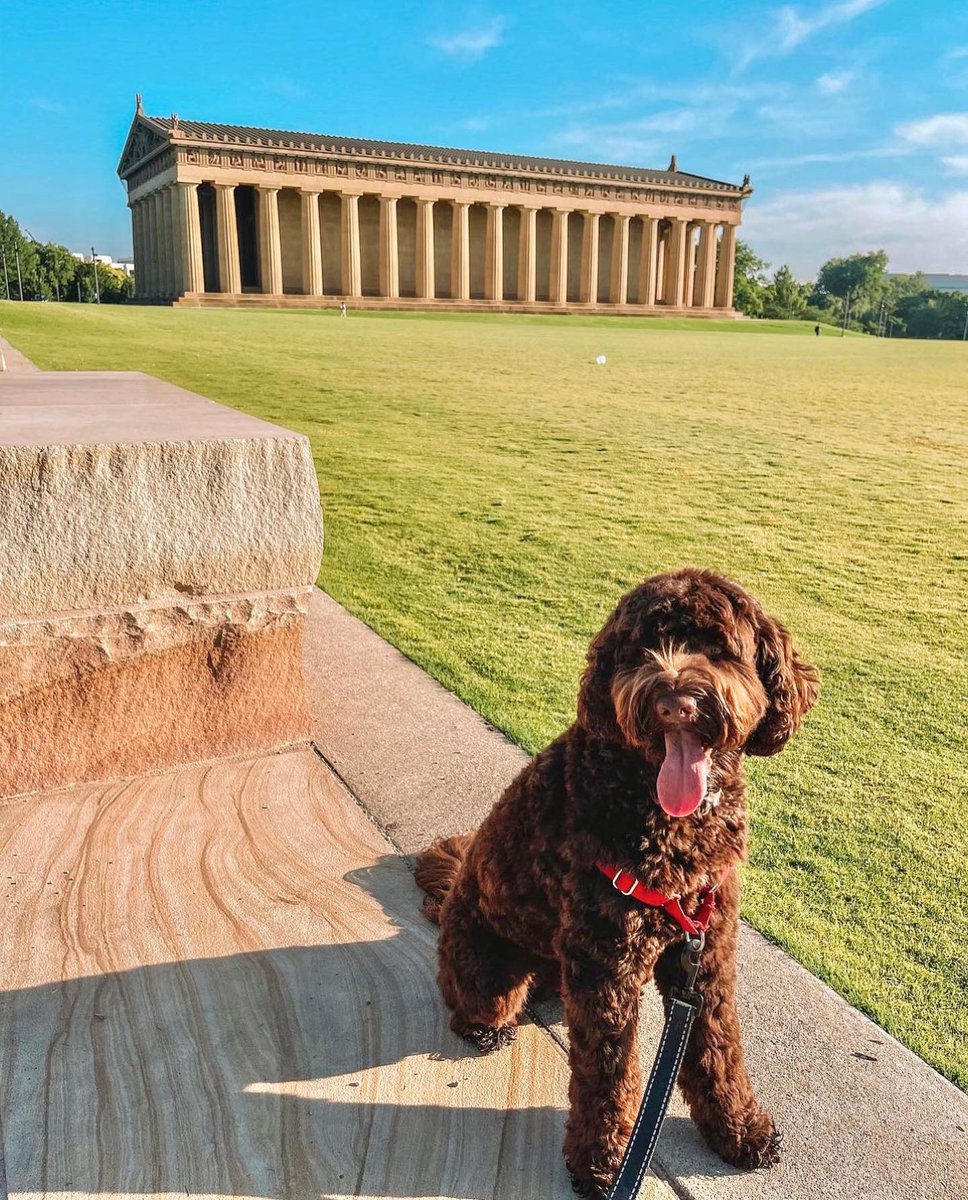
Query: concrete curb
(863,1117)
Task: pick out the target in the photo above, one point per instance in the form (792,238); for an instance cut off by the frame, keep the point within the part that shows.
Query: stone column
(311,244)
(675,263)
(660,266)
(426,283)
(527,255)
(270,243)
(227,231)
(648,260)
(138,248)
(494,253)
(190,238)
(177,245)
(170,243)
(618,292)
(350,239)
(689,262)
(460,253)
(151,244)
(558,290)
(706,266)
(725,268)
(589,258)
(144,218)
(389,249)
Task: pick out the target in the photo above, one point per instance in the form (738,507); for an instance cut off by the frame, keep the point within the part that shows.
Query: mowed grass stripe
(490,492)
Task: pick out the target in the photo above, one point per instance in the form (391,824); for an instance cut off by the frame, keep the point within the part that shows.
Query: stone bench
(158,556)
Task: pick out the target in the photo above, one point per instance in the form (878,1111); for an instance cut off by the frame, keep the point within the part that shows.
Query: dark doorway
(206,220)
(245,216)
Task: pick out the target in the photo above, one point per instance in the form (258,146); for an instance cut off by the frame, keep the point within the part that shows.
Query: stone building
(229,215)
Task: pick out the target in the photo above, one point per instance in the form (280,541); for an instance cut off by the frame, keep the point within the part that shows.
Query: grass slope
(490,492)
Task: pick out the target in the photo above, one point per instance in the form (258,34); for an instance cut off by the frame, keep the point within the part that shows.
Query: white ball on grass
(601,360)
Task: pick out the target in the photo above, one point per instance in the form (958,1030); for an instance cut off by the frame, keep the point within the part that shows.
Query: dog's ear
(792,687)
(596,709)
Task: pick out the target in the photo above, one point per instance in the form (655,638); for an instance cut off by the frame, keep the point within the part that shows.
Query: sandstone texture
(117,488)
(157,553)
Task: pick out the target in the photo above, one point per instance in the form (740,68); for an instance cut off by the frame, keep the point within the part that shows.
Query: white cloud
(829,156)
(648,140)
(48,106)
(956,164)
(830,85)
(943,129)
(473,43)
(793,26)
(805,228)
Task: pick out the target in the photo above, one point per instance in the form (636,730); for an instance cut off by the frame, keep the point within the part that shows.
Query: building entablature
(157,147)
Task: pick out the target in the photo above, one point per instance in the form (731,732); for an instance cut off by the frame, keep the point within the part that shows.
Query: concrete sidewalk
(13,361)
(863,1118)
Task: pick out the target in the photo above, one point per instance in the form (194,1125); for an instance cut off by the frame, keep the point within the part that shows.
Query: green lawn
(490,492)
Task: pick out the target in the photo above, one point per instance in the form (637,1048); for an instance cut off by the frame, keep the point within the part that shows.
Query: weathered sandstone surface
(156,556)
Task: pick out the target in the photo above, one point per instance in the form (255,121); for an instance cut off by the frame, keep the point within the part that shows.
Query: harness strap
(625,882)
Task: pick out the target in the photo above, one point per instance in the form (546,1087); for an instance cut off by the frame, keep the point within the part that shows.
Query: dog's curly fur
(522,906)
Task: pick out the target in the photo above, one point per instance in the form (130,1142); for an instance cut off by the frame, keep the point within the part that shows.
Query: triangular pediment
(143,140)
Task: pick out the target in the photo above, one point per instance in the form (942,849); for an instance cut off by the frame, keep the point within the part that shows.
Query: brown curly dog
(688,675)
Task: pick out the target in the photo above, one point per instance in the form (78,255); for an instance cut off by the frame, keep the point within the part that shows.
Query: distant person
(342,309)
(816,330)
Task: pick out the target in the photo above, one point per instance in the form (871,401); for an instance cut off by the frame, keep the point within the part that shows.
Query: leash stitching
(672,1078)
(645,1098)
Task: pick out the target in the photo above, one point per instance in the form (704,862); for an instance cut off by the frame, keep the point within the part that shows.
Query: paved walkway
(13,361)
(217,983)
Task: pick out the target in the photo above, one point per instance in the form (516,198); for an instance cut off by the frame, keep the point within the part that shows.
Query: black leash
(685,1002)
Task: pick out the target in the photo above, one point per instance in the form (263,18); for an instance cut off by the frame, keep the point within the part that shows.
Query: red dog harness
(626,883)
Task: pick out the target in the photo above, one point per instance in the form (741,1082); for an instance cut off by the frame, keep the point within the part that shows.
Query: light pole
(843,328)
(20,282)
(97,288)
(6,278)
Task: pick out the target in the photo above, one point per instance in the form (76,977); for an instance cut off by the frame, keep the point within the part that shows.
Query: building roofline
(175,129)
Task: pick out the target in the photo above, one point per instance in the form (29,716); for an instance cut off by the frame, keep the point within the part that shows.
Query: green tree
(783,297)
(55,271)
(114,285)
(933,314)
(749,280)
(858,282)
(13,243)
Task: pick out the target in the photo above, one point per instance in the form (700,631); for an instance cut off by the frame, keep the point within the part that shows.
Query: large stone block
(157,555)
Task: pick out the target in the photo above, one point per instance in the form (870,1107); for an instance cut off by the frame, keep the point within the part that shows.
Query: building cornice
(311,154)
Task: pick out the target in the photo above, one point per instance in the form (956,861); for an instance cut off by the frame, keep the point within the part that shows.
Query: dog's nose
(676,708)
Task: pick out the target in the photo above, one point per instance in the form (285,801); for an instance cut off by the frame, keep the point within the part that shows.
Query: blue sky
(851,116)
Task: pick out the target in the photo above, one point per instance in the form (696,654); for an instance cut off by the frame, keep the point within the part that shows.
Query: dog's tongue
(683,775)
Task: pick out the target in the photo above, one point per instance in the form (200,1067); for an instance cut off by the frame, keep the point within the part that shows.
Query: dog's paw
(587,1188)
(755,1145)
(591,1187)
(488,1038)
(594,1179)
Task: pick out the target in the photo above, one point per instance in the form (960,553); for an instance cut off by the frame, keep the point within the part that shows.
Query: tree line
(32,270)
(853,293)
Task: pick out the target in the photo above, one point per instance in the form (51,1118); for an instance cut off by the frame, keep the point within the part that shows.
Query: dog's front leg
(601,985)
(713,1078)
